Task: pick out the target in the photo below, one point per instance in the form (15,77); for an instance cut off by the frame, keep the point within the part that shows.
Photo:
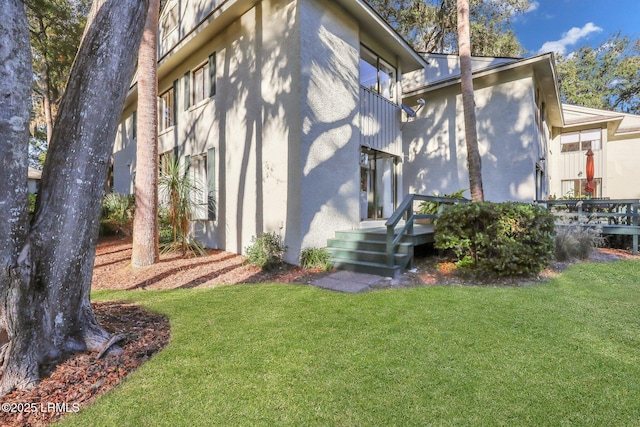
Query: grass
(562,353)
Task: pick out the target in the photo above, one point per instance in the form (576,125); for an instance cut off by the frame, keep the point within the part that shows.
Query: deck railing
(379,123)
(615,216)
(407,211)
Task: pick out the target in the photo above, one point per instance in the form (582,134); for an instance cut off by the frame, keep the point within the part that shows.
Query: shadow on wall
(507,134)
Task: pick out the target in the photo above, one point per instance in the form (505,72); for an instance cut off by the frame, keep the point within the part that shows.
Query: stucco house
(285,110)
(614,139)
(517,106)
(308,117)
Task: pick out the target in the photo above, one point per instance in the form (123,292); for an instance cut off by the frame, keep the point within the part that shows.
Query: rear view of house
(287,112)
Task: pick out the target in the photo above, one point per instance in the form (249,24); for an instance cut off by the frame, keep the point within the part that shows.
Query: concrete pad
(347,281)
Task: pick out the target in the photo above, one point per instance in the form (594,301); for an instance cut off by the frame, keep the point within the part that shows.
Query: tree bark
(15,64)
(45,269)
(473,153)
(145,223)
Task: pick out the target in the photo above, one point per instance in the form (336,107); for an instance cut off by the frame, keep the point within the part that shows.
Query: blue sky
(565,25)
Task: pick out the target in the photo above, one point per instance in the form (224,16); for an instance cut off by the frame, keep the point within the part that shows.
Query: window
(377,75)
(575,188)
(200,83)
(202,168)
(581,141)
(169,22)
(166,113)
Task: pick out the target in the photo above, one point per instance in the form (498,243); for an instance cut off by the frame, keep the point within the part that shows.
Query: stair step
(365,255)
(367,235)
(368,268)
(367,245)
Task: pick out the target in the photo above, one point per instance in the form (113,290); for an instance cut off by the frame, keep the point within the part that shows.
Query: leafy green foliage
(431,25)
(117,214)
(315,258)
(502,239)
(266,251)
(432,208)
(56,27)
(32,203)
(606,77)
(576,239)
(178,190)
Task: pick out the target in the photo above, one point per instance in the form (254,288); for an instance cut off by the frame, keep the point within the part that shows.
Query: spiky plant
(178,190)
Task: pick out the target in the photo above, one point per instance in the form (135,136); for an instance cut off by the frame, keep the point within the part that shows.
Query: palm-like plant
(178,191)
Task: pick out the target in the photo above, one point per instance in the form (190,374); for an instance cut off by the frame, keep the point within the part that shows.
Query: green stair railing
(406,210)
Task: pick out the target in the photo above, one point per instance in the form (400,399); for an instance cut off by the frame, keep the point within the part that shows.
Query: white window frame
(200,83)
(166,109)
(169,21)
(579,141)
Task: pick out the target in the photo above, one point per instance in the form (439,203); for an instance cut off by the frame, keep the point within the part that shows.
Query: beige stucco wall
(623,168)
(283,123)
(329,152)
(616,163)
(509,141)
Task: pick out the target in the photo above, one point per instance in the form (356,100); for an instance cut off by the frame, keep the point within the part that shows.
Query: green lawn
(563,353)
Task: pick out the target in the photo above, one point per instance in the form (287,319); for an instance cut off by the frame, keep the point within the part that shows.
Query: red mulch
(72,384)
(75,382)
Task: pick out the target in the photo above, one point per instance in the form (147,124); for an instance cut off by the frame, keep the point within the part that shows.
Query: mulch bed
(72,384)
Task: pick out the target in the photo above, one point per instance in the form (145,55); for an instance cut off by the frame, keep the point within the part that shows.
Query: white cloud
(569,38)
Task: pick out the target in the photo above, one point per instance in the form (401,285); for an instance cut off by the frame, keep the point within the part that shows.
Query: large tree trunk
(145,223)
(468,103)
(15,90)
(46,269)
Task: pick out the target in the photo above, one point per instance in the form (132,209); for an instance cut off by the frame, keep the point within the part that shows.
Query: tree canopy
(606,77)
(431,25)
(55,28)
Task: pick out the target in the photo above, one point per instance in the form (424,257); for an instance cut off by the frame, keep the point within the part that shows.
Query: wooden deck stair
(364,250)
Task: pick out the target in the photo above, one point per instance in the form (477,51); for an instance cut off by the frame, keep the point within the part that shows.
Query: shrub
(117,214)
(501,239)
(266,251)
(432,208)
(178,190)
(315,258)
(576,239)
(32,203)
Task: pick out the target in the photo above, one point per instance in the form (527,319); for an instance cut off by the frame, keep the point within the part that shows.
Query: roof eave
(544,67)
(368,18)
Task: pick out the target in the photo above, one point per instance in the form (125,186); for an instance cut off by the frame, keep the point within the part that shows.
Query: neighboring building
(33,180)
(289,114)
(614,139)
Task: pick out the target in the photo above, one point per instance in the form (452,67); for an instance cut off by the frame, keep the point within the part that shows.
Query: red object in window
(591,185)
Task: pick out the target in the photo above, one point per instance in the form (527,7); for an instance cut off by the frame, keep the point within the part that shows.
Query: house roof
(617,124)
(543,67)
(368,18)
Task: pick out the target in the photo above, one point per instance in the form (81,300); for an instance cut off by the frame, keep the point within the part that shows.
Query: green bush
(576,239)
(432,208)
(266,251)
(501,239)
(117,214)
(32,203)
(315,258)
